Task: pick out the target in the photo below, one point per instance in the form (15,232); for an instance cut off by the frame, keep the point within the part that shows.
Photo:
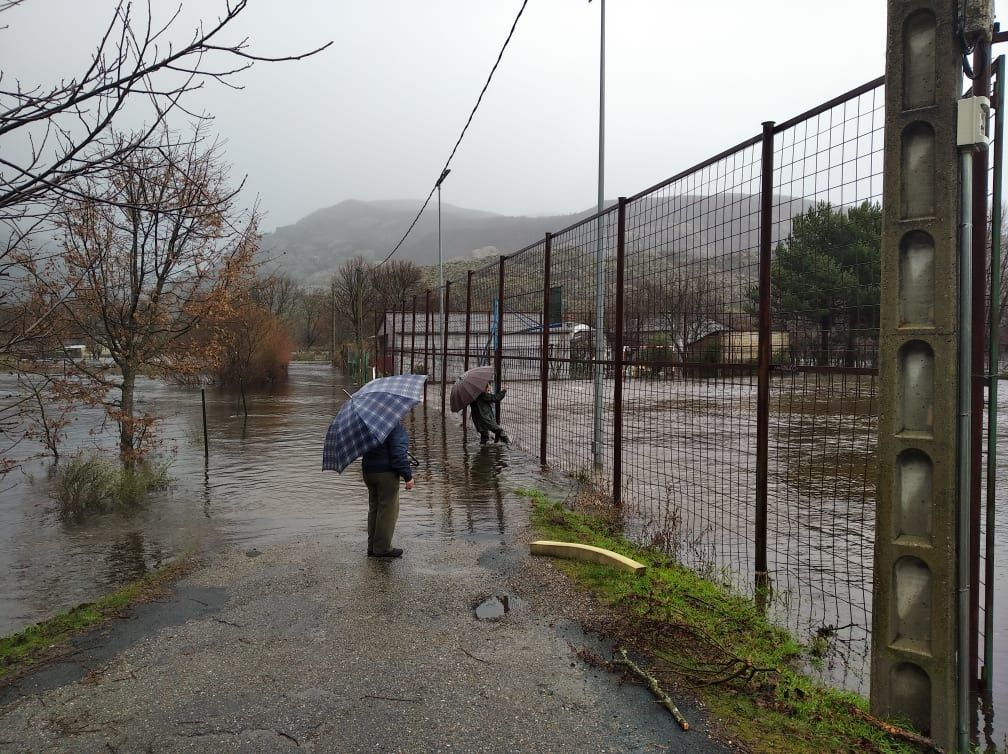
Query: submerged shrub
(92,483)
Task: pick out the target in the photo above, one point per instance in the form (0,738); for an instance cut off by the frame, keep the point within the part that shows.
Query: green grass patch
(46,641)
(693,633)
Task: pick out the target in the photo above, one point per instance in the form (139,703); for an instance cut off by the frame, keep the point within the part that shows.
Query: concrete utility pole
(921,544)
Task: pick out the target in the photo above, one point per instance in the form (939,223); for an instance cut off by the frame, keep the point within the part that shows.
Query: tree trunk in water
(127,432)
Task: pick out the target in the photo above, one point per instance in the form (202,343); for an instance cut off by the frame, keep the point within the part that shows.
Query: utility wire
(461,135)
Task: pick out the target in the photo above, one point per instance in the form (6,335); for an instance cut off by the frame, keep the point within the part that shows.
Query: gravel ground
(309,645)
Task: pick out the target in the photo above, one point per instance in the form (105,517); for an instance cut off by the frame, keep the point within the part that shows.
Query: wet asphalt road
(309,645)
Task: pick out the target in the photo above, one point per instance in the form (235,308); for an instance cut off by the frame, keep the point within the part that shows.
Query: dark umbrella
(469,385)
(367,418)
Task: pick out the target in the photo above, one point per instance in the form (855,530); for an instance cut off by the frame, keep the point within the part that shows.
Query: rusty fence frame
(401,349)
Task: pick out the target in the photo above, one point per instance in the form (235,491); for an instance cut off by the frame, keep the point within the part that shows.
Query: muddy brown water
(264,484)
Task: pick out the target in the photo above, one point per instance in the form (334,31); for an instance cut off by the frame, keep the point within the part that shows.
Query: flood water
(263,484)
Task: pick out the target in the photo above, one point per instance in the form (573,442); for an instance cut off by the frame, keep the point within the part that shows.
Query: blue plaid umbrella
(368,416)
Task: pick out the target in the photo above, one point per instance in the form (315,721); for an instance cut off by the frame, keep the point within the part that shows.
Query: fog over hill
(312,249)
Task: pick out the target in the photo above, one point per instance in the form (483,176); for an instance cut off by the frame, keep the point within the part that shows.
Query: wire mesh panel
(676,364)
(825,284)
(689,412)
(521,346)
(582,264)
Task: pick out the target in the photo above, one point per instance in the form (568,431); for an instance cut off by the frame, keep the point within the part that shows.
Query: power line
(461,135)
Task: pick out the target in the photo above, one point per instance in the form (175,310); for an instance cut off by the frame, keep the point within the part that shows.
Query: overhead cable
(441,173)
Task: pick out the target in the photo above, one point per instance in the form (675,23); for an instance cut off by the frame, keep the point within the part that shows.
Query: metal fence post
(544,356)
(390,344)
(763,360)
(426,339)
(444,343)
(402,335)
(413,346)
(618,357)
(465,356)
(499,346)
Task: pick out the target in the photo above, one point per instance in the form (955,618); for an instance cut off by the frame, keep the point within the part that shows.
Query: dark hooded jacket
(483,411)
(390,455)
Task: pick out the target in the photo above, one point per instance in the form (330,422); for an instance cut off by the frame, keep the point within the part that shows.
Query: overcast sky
(376,115)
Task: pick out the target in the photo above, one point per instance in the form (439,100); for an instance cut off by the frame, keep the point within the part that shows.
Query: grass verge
(47,641)
(692,634)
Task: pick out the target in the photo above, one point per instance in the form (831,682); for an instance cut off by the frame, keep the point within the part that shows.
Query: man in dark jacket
(483,415)
(382,466)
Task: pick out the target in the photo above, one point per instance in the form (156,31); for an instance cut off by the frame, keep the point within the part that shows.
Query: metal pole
(964,682)
(402,335)
(499,350)
(465,357)
(544,356)
(992,394)
(390,343)
(426,336)
(599,261)
(763,360)
(442,293)
(618,357)
(413,347)
(444,346)
(981,86)
(206,441)
(332,352)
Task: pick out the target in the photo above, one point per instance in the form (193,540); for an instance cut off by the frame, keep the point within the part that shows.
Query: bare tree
(136,59)
(311,318)
(160,250)
(277,294)
(55,138)
(687,305)
(352,295)
(395,281)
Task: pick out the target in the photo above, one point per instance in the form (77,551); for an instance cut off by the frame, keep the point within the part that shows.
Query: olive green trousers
(383,509)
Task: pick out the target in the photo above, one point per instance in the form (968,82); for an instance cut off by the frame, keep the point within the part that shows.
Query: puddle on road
(497,606)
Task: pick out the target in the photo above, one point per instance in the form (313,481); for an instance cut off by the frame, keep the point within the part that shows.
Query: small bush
(92,483)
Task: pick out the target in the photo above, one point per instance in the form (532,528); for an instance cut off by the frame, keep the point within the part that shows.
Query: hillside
(312,249)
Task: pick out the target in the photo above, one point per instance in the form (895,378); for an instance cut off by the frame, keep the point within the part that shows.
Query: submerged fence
(723,325)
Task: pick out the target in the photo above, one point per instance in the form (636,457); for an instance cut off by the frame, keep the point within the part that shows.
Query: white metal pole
(599,260)
(442,323)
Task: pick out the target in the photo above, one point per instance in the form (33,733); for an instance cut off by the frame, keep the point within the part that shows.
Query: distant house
(570,344)
(733,347)
(657,350)
(75,352)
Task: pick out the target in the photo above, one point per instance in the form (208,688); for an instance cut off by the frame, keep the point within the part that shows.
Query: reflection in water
(261,484)
(127,558)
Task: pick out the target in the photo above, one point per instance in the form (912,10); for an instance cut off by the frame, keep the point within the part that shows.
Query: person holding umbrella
(483,415)
(383,465)
(472,389)
(369,424)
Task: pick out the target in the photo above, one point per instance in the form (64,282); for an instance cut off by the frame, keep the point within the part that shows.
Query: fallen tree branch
(652,683)
(896,731)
